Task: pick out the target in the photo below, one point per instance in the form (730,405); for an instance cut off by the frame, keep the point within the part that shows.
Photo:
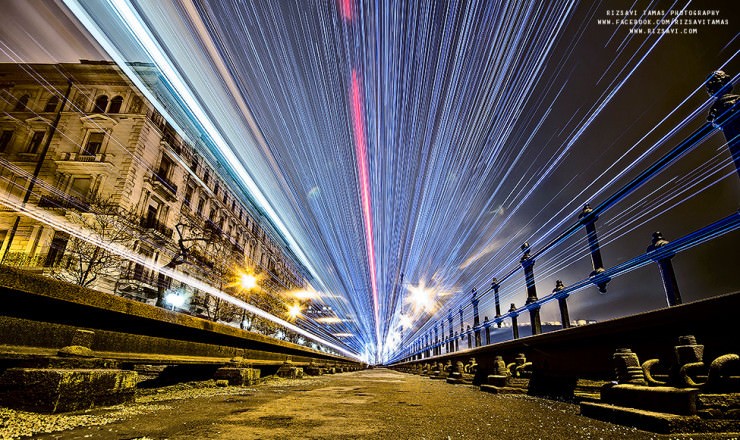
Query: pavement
(370,404)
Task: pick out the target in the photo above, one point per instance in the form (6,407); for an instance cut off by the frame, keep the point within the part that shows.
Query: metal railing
(725,118)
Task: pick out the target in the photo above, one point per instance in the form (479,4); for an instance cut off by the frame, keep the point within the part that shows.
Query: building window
(80,187)
(165,167)
(216,189)
(51,104)
(93,144)
(101,103)
(35,143)
(152,212)
(5,138)
(115,105)
(188,195)
(205,177)
(17,187)
(57,248)
(22,104)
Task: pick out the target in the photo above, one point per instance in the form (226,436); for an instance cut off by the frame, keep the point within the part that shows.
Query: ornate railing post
(476,318)
(430,347)
(462,324)
(457,342)
(724,112)
(562,302)
(451,346)
(534,310)
(442,333)
(673,296)
(436,340)
(495,285)
(469,334)
(514,324)
(589,220)
(487,326)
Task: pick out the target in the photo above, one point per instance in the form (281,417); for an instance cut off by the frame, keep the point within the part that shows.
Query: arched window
(115,104)
(22,103)
(51,104)
(101,103)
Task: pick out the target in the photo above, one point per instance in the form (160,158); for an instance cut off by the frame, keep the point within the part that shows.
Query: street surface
(370,404)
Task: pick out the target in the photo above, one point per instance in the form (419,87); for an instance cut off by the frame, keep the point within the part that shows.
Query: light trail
(420,142)
(358,121)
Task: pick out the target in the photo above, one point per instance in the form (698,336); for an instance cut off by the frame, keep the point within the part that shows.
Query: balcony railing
(81,157)
(157,226)
(66,202)
(165,183)
(210,224)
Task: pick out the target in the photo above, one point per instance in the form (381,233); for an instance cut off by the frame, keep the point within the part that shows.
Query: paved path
(371,404)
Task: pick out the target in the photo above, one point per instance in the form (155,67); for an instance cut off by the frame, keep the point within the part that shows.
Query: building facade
(82,148)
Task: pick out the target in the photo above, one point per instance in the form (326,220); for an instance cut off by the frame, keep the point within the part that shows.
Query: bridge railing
(724,117)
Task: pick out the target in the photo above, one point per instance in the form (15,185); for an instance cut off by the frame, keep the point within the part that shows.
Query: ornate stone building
(101,157)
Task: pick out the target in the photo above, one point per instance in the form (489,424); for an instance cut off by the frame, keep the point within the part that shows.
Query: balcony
(65,202)
(81,163)
(163,187)
(202,259)
(211,225)
(138,284)
(157,227)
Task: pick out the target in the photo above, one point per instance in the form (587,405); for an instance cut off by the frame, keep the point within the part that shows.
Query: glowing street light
(294,311)
(421,298)
(174,300)
(248,281)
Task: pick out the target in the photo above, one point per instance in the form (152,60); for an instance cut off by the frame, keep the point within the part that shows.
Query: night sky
(419,144)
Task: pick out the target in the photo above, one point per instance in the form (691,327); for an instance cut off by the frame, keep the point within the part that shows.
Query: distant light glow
(305,295)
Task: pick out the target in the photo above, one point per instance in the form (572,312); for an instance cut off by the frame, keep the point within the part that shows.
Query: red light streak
(358,121)
(345,6)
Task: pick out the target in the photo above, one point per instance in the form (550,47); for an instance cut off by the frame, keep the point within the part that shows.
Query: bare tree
(220,263)
(84,261)
(189,240)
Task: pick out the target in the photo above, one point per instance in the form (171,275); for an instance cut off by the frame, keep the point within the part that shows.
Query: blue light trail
(408,149)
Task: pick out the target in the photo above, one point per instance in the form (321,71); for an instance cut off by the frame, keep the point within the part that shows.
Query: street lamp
(248,281)
(294,311)
(174,300)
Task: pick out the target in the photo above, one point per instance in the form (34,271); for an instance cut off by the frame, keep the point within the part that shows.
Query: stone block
(497,380)
(493,389)
(83,338)
(313,371)
(290,372)
(719,406)
(237,376)
(681,401)
(61,390)
(641,419)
